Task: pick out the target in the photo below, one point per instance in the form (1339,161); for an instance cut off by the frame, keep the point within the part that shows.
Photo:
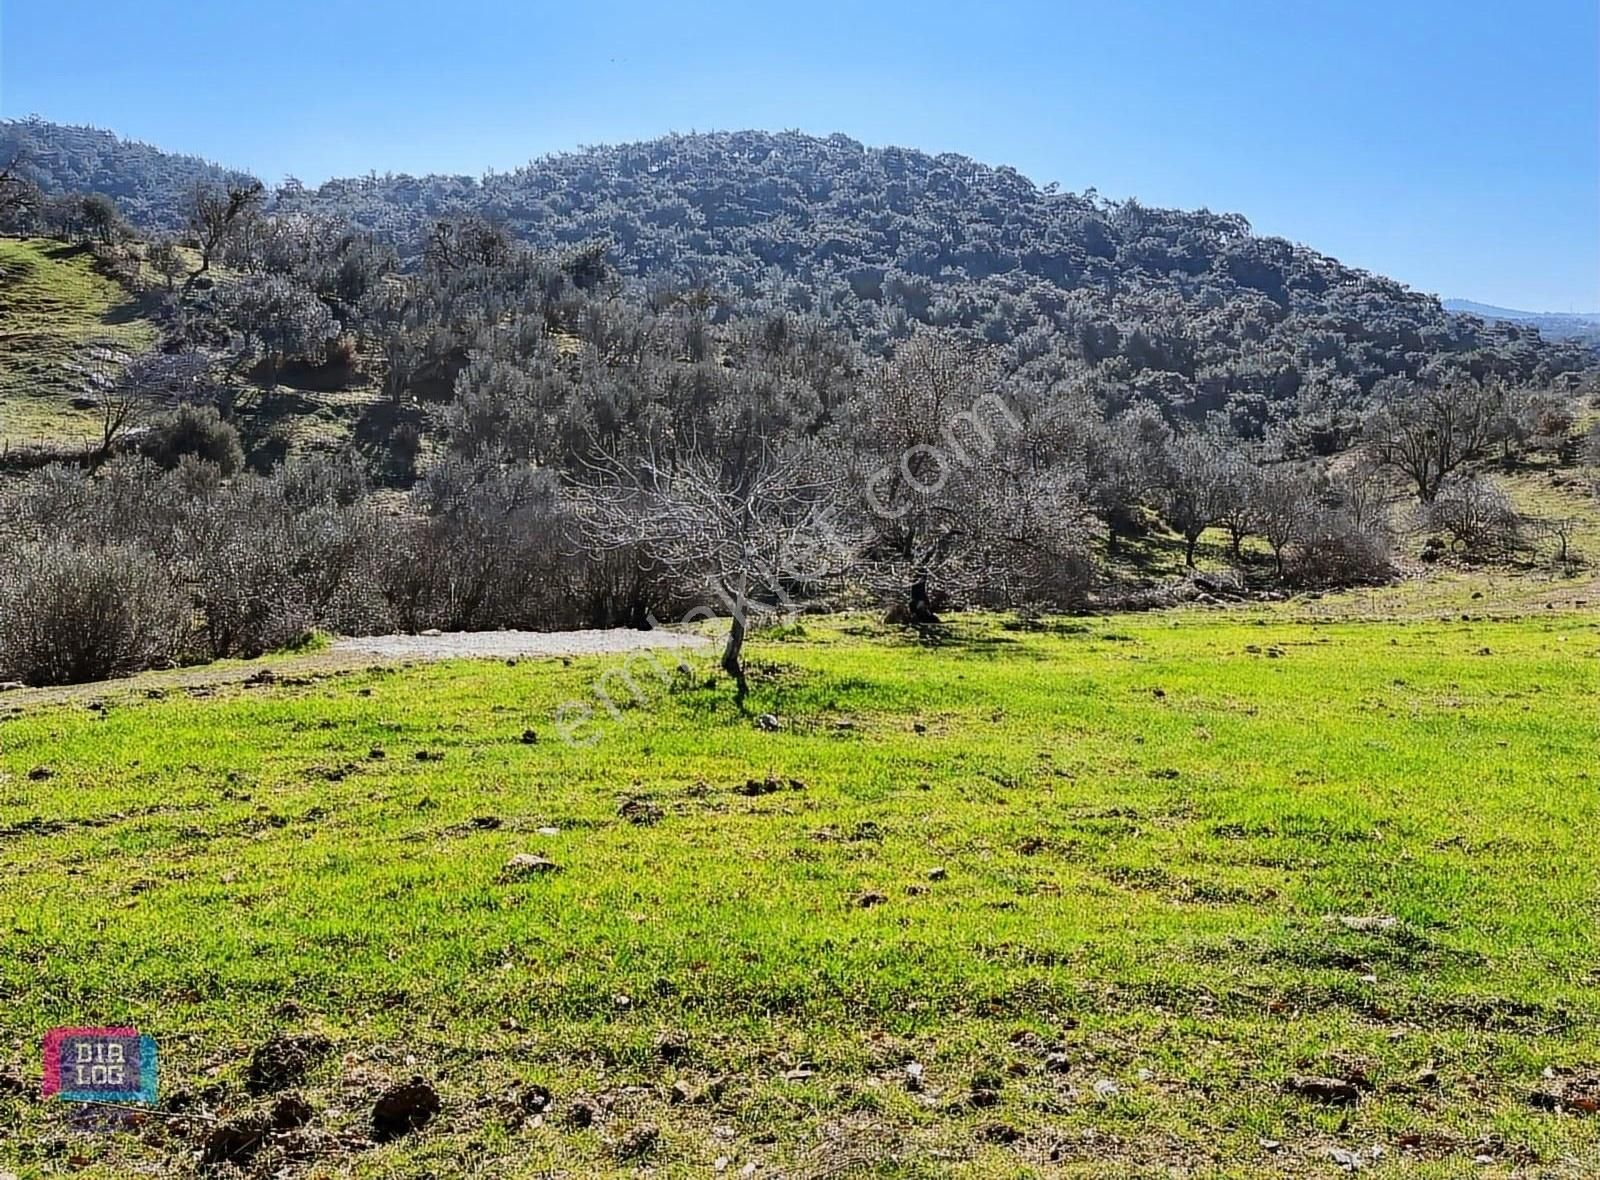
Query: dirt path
(462,645)
(351,655)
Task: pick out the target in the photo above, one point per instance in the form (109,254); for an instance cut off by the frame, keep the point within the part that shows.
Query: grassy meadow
(56,309)
(1081,898)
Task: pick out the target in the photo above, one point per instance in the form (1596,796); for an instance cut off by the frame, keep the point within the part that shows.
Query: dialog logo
(100,1065)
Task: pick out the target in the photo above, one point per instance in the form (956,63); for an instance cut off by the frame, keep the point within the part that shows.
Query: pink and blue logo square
(100,1065)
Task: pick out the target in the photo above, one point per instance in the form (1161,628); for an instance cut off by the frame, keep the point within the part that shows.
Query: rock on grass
(525,865)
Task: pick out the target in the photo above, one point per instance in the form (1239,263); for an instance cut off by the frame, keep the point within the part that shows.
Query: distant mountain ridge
(1558,325)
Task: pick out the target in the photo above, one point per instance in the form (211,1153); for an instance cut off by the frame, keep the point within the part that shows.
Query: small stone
(680,1093)
(431,633)
(938,873)
(869,899)
(914,1077)
(1368,923)
(1057,1063)
(768,723)
(548,831)
(529,737)
(1106,1088)
(40,773)
(525,865)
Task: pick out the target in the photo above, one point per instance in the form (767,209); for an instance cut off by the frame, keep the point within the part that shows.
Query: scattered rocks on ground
(1570,1096)
(401,1109)
(525,865)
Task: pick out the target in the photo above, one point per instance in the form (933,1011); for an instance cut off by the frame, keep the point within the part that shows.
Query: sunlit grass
(1147,829)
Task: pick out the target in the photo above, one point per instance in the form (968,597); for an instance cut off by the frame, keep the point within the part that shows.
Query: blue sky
(1454,146)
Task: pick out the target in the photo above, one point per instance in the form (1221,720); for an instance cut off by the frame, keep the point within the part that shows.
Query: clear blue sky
(1452,144)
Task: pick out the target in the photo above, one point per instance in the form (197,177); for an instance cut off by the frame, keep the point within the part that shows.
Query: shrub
(1332,549)
(1478,517)
(69,615)
(194,430)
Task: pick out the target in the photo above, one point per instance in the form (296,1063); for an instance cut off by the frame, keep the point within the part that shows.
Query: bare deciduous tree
(742,536)
(1427,432)
(145,386)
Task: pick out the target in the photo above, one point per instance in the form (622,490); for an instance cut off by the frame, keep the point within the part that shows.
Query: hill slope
(60,321)
(1190,309)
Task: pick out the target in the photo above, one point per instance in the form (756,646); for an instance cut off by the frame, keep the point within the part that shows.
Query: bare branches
(1427,432)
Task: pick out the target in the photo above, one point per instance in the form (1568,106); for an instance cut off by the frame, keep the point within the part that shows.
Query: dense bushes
(70,614)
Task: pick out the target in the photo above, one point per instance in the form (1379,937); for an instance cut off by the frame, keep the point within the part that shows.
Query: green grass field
(55,307)
(1111,883)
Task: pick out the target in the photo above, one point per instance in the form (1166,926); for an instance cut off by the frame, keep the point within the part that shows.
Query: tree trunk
(733,656)
(1188,550)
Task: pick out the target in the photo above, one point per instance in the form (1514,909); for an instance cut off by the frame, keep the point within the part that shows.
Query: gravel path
(466,645)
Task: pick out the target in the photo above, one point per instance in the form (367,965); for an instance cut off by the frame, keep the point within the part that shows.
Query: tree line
(561,446)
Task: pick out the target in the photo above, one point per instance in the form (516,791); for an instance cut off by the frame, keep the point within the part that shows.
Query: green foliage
(194,431)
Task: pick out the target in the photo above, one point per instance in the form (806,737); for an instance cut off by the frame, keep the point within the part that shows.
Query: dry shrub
(69,615)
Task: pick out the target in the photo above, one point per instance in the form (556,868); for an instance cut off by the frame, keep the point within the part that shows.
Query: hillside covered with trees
(718,374)
(1189,310)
